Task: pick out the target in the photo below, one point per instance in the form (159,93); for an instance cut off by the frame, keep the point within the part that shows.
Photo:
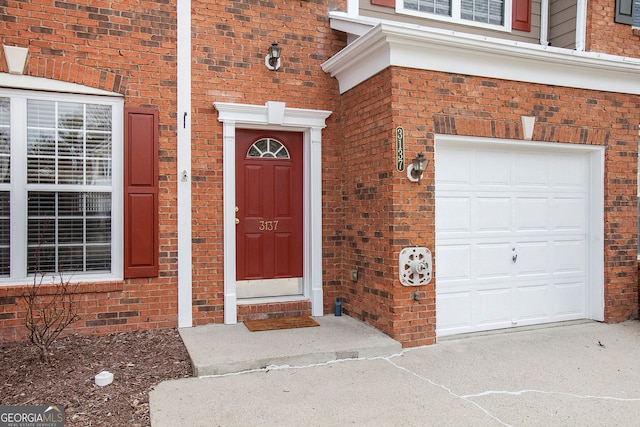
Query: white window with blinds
(482,13)
(60,185)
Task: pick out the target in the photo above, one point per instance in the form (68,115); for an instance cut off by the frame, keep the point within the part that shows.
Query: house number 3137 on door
(268,225)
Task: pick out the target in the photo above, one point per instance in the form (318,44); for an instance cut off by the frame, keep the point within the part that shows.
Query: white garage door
(511,236)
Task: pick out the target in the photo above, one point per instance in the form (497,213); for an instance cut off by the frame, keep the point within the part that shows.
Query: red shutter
(521,16)
(140,192)
(386,3)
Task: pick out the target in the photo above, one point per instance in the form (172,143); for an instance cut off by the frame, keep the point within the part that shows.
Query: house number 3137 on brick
(268,225)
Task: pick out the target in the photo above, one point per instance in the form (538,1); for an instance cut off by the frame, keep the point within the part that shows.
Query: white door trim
(275,115)
(594,304)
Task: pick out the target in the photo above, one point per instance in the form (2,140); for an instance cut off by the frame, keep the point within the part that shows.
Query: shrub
(50,309)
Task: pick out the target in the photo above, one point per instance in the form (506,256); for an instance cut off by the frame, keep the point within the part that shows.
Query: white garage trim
(588,198)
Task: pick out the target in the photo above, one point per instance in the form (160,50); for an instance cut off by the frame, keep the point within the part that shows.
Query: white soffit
(412,46)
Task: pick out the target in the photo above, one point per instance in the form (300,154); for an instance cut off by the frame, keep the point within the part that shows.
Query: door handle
(237,221)
(514,258)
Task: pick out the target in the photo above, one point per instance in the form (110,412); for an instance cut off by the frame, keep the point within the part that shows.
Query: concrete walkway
(561,375)
(222,349)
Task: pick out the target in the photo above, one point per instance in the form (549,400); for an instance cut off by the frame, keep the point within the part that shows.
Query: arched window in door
(268,148)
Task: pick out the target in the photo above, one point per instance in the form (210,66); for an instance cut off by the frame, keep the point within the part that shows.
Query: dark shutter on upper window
(140,193)
(521,15)
(624,11)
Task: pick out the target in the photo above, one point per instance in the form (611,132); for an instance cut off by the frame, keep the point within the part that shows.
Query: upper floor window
(485,13)
(57,195)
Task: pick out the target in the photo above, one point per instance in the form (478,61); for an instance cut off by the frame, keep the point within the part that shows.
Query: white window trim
(47,85)
(455,16)
(18,199)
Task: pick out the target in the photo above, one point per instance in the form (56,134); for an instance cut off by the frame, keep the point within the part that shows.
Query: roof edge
(389,43)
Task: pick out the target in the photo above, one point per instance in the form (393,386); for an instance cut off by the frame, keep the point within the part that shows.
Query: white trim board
(14,81)
(183,172)
(389,43)
(275,115)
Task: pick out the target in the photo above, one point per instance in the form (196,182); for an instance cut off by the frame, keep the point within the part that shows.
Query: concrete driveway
(584,374)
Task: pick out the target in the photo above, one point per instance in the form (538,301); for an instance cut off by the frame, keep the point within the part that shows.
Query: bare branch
(49,312)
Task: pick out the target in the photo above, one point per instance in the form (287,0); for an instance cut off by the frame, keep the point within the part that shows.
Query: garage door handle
(514,258)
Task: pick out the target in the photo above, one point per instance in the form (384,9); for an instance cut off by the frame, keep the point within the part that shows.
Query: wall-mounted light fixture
(272,60)
(417,167)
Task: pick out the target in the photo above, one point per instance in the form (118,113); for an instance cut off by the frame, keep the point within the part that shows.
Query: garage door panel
(569,256)
(493,214)
(532,302)
(569,299)
(455,311)
(568,214)
(453,262)
(570,171)
(532,214)
(493,169)
(455,169)
(532,170)
(530,203)
(533,259)
(458,215)
(494,260)
(494,307)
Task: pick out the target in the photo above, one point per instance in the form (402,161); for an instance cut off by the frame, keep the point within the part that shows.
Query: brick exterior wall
(384,212)
(229,45)
(606,36)
(273,310)
(370,211)
(127,47)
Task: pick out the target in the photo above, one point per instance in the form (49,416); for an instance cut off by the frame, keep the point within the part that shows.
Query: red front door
(269,228)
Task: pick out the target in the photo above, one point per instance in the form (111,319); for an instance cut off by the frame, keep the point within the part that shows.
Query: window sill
(76,287)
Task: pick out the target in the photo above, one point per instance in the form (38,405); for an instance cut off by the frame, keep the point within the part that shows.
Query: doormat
(280,323)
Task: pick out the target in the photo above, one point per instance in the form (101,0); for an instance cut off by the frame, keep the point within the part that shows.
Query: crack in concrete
(284,367)
(561,393)
(465,397)
(447,389)
(385,358)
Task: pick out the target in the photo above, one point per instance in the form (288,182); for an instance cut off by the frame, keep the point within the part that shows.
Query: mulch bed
(139,361)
